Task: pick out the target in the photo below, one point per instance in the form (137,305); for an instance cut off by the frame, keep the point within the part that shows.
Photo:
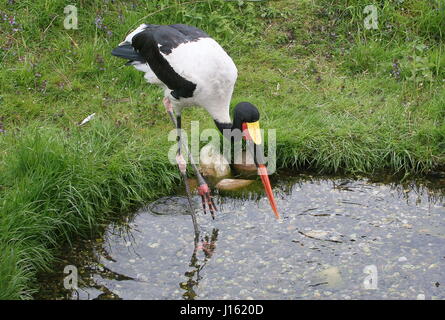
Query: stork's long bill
(252,132)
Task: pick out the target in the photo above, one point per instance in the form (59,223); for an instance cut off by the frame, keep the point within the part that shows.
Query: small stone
(420,296)
(403,259)
(233,184)
(317,234)
(332,276)
(212,162)
(366,249)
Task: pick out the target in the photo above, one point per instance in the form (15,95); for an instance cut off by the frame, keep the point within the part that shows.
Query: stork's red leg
(203,189)
(182,164)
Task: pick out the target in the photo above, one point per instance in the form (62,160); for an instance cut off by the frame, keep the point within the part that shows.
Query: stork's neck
(227,128)
(243,112)
(223,121)
(223,125)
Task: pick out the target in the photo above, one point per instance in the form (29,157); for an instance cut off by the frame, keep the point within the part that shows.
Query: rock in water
(233,184)
(331,236)
(244,162)
(213,163)
(332,276)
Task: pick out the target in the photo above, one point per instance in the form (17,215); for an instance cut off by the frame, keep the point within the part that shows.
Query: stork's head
(246,118)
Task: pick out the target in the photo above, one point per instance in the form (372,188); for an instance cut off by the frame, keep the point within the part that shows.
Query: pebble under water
(338,239)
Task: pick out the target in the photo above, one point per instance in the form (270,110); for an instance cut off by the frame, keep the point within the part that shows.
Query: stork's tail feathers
(127,51)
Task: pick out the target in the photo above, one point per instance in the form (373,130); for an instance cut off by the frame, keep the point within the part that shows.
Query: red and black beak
(251,131)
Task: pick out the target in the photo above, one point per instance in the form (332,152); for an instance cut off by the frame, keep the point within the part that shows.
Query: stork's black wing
(169,37)
(147,46)
(155,39)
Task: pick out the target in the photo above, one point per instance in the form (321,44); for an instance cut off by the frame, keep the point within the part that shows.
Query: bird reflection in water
(207,245)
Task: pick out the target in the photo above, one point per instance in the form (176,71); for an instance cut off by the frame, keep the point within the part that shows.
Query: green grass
(342,99)
(61,186)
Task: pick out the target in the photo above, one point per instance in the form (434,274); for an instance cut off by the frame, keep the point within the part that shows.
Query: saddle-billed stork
(194,70)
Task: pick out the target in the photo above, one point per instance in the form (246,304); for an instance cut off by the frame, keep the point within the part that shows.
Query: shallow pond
(338,239)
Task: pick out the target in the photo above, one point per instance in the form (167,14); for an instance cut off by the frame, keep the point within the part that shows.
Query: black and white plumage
(194,70)
(191,67)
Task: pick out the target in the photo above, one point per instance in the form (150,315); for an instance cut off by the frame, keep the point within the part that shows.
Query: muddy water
(338,239)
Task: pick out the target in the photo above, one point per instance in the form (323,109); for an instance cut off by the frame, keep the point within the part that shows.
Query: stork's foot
(207,200)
